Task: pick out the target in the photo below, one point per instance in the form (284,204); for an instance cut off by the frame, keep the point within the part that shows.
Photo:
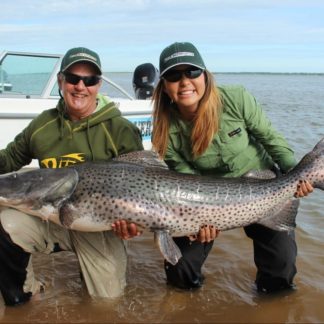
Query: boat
(28,85)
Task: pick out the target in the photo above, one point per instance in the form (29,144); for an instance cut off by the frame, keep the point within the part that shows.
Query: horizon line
(242,72)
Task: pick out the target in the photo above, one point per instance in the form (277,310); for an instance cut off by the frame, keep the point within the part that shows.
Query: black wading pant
(186,274)
(274,256)
(13,264)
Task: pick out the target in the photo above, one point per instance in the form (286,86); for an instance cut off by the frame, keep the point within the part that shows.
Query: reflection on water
(295,105)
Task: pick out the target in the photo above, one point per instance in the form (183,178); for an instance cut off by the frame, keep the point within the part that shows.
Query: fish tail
(311,166)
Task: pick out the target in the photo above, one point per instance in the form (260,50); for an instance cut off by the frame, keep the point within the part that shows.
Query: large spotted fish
(138,188)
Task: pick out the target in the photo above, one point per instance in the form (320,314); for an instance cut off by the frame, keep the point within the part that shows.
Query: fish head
(34,188)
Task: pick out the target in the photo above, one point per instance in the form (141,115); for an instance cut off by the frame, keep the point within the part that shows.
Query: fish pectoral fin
(167,246)
(282,217)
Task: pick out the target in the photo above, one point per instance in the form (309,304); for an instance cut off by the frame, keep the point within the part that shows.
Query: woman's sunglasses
(176,75)
(88,81)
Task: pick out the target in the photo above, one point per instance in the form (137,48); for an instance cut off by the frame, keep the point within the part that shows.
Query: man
(84,126)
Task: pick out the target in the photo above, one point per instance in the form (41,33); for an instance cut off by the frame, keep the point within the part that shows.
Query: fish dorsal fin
(145,157)
(319,146)
(282,217)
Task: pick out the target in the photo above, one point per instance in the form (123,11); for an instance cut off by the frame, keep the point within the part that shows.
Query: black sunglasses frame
(88,81)
(176,75)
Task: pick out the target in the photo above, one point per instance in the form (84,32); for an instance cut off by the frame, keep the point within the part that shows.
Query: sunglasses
(88,81)
(176,75)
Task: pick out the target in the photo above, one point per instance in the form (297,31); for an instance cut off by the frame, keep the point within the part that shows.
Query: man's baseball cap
(180,53)
(80,54)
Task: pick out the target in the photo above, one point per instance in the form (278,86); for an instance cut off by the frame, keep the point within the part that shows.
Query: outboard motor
(145,78)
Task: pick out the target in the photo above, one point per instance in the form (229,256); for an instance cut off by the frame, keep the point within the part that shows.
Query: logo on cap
(179,54)
(84,55)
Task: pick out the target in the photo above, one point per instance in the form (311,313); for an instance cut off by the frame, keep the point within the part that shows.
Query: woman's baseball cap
(180,53)
(80,54)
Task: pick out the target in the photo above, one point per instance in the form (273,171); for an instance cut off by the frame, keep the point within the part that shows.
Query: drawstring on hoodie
(88,139)
(63,116)
(62,112)
(62,122)
(61,125)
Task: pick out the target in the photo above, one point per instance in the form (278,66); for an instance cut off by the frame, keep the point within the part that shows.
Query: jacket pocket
(234,139)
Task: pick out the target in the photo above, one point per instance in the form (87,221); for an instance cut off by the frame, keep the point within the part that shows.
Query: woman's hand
(125,230)
(206,234)
(303,189)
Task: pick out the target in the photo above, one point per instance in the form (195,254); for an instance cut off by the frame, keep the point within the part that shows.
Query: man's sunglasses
(176,75)
(88,81)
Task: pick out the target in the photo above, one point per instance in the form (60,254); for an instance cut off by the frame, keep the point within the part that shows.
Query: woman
(199,128)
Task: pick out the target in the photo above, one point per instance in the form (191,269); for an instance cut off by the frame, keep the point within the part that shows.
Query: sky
(231,35)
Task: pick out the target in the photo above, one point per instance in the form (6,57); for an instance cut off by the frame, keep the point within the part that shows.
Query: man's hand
(303,189)
(207,233)
(125,230)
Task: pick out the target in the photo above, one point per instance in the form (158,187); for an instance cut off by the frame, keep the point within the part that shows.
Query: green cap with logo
(180,53)
(80,54)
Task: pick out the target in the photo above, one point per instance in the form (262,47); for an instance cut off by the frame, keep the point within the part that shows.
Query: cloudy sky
(232,35)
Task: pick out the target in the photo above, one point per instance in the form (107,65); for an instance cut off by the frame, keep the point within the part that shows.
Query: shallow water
(228,294)
(295,104)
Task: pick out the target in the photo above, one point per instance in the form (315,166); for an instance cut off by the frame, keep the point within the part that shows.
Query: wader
(274,256)
(186,274)
(101,255)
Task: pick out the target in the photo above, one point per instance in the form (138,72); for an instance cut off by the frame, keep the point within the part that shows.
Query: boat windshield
(32,75)
(27,75)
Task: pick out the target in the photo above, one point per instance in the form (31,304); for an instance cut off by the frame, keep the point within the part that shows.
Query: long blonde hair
(205,123)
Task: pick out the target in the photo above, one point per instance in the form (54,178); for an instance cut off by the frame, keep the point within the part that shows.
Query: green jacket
(246,141)
(56,141)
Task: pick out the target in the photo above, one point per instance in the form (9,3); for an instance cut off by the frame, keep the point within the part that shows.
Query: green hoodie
(246,140)
(56,141)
